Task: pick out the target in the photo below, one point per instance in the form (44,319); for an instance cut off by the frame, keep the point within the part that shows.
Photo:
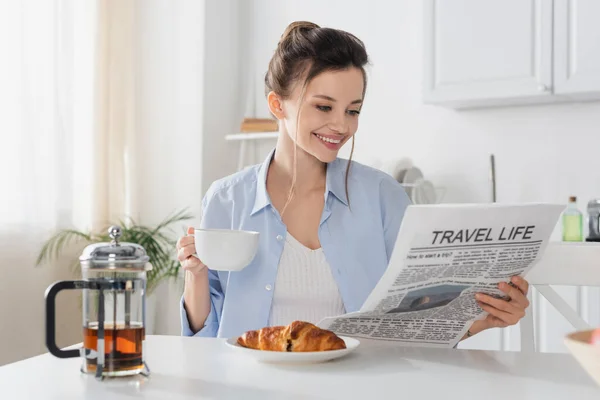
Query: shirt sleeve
(394,202)
(214,216)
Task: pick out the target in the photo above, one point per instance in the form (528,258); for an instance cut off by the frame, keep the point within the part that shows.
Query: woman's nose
(339,123)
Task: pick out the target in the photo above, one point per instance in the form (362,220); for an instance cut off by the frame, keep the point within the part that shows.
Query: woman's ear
(275,105)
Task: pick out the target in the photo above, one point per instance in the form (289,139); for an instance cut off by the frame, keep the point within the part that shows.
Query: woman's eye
(353,112)
(324,108)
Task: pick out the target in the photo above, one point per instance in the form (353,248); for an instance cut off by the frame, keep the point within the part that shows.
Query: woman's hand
(186,247)
(196,292)
(503,313)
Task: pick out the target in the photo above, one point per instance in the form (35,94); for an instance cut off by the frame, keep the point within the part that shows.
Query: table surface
(204,368)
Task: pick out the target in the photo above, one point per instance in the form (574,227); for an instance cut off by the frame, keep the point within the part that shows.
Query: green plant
(158,243)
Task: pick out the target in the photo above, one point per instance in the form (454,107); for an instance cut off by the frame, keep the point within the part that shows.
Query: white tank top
(305,289)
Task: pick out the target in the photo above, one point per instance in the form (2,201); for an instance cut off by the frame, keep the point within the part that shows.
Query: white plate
(294,357)
(424,192)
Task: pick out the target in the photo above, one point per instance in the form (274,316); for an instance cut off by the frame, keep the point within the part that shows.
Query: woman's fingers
(500,304)
(521,284)
(503,313)
(506,317)
(186,240)
(516,296)
(185,252)
(186,247)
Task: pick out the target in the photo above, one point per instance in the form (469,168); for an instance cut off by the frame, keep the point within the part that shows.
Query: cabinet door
(487,52)
(577,48)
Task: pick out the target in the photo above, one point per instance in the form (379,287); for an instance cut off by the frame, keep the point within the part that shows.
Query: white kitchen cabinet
(510,52)
(577,48)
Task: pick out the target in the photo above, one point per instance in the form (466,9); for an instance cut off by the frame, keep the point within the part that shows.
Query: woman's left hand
(503,313)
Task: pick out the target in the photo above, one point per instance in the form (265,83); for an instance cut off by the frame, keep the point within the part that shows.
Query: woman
(327,225)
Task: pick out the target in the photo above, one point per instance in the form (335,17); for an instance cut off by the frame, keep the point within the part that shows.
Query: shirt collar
(261,198)
(334,183)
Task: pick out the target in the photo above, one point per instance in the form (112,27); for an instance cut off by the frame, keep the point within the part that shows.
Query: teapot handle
(51,293)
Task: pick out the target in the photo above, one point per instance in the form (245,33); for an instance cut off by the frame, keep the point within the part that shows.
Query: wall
(169,111)
(22,309)
(543,153)
(41,191)
(190,93)
(191,57)
(227,51)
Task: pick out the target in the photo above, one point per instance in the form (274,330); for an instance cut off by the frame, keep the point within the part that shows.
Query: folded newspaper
(443,255)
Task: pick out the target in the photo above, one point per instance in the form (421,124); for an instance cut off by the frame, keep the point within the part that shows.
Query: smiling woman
(316,90)
(327,225)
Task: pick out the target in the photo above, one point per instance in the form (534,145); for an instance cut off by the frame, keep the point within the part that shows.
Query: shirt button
(268,287)
(279,237)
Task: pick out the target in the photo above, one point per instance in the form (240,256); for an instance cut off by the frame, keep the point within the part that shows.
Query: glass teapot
(114,308)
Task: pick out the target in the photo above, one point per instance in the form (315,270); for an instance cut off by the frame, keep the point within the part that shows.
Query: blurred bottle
(572,222)
(593,211)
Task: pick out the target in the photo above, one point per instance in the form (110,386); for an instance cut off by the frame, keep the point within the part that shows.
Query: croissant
(299,336)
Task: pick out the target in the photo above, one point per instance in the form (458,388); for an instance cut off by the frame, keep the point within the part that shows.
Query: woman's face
(328,114)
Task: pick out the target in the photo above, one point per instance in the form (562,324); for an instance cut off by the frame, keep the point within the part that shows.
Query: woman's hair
(305,50)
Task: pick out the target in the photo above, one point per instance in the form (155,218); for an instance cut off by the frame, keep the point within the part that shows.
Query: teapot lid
(115,255)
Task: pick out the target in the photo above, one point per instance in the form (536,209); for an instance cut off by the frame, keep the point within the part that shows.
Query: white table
(186,368)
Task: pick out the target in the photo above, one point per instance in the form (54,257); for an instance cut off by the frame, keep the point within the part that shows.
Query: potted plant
(158,242)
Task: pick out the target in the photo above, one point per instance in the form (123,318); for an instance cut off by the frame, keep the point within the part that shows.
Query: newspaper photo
(443,256)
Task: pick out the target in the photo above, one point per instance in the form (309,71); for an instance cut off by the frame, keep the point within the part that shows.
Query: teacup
(225,249)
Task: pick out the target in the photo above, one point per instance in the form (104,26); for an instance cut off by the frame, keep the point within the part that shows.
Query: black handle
(51,293)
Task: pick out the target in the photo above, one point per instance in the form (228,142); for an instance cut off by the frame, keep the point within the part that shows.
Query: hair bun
(297,28)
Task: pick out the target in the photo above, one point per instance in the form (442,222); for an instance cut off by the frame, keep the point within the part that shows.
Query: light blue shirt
(357,234)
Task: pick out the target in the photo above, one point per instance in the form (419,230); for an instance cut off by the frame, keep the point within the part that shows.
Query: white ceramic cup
(225,249)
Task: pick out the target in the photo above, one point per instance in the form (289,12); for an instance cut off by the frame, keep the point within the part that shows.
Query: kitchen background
(198,63)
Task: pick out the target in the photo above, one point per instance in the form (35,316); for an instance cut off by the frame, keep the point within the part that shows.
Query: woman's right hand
(186,247)
(196,292)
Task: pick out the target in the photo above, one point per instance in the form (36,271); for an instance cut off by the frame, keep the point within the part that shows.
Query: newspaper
(443,255)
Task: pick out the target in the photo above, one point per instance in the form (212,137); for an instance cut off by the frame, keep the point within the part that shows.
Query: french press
(114,308)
